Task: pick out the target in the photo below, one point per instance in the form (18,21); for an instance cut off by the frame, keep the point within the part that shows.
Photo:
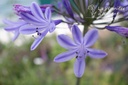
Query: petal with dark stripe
(94,53)
(36,11)
(66,41)
(65,56)
(48,13)
(77,35)
(90,37)
(79,67)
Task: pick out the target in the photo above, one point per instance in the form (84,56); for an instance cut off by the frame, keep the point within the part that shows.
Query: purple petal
(111,28)
(52,27)
(77,35)
(117,4)
(94,53)
(78,18)
(60,6)
(11,28)
(48,13)
(65,56)
(20,8)
(8,22)
(38,40)
(123,31)
(68,7)
(30,19)
(90,37)
(18,23)
(70,20)
(65,41)
(28,29)
(57,21)
(79,67)
(16,35)
(86,4)
(36,11)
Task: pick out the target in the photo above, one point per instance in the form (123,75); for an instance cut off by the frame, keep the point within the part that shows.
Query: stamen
(39,34)
(33,36)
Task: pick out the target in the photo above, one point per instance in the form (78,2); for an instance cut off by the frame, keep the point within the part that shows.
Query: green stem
(78,81)
(85,29)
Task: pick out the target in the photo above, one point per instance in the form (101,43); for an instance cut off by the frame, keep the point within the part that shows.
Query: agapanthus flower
(39,22)
(33,19)
(79,48)
(14,27)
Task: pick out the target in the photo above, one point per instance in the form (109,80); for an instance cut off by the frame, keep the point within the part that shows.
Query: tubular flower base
(79,48)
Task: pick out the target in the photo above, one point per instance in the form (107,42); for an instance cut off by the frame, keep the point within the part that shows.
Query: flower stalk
(78,81)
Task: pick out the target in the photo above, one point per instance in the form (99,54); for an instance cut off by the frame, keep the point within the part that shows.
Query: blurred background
(20,66)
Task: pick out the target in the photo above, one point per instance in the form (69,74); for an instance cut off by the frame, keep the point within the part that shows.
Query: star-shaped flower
(39,22)
(79,48)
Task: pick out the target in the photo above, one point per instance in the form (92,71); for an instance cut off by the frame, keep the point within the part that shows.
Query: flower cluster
(35,19)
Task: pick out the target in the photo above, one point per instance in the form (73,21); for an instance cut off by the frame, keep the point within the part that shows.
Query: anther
(36,29)
(38,33)
(76,56)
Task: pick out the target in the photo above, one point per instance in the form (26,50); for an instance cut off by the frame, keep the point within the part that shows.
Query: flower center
(81,52)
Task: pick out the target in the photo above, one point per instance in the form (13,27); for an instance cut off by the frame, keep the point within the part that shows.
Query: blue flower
(79,48)
(39,23)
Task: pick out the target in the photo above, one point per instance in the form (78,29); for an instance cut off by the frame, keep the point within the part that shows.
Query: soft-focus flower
(71,17)
(39,22)
(79,48)
(14,27)
(123,31)
(26,9)
(68,7)
(96,14)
